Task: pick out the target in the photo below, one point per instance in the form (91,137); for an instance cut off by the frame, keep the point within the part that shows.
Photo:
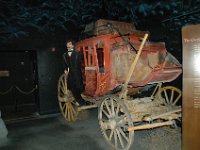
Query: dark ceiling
(39,21)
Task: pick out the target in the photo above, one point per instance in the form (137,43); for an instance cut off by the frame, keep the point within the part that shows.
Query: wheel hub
(65,97)
(68,98)
(112,123)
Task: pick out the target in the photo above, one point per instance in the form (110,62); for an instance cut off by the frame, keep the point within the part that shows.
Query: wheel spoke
(176,100)
(72,114)
(123,134)
(105,113)
(166,96)
(109,111)
(120,138)
(115,137)
(63,85)
(75,115)
(117,110)
(69,113)
(111,135)
(73,110)
(62,90)
(66,111)
(112,107)
(172,96)
(64,105)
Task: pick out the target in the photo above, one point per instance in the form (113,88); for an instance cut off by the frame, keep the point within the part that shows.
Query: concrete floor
(54,133)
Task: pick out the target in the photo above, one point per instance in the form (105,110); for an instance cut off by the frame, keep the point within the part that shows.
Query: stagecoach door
(90,76)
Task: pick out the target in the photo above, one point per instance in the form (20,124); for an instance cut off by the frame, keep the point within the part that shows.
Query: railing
(25,92)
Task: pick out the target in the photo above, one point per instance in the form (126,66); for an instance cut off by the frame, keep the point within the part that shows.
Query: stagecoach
(119,64)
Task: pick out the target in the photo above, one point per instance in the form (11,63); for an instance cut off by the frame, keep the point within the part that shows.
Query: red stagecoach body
(107,58)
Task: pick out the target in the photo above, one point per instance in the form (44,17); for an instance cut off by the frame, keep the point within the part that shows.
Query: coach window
(100,57)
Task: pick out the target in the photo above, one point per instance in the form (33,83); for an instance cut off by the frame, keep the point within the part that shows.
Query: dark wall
(21,79)
(49,66)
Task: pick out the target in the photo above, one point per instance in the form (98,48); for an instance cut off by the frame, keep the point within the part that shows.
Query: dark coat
(75,79)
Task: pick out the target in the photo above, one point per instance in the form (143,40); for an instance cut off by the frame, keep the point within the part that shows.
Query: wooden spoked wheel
(114,120)
(67,103)
(171,96)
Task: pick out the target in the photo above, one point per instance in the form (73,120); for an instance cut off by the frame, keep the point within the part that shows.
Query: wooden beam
(150,118)
(149,126)
(87,107)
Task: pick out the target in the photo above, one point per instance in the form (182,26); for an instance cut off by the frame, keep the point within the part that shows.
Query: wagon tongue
(132,68)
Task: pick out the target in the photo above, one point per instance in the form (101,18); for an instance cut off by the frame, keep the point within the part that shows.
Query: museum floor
(52,132)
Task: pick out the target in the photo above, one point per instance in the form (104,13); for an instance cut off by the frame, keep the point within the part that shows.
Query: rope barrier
(7,91)
(26,92)
(19,90)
